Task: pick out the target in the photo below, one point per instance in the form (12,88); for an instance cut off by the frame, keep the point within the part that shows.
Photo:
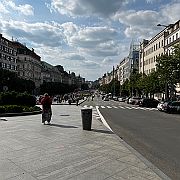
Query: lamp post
(113,82)
(169,25)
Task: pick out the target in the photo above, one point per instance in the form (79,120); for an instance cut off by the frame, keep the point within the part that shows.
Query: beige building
(160,44)
(8,55)
(149,51)
(172,38)
(123,70)
(28,63)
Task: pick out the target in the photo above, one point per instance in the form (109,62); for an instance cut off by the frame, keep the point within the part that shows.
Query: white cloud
(25,9)
(95,41)
(170,13)
(49,34)
(87,7)
(3,9)
(143,23)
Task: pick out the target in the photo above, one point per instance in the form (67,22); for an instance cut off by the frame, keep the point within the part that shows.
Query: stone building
(28,63)
(8,55)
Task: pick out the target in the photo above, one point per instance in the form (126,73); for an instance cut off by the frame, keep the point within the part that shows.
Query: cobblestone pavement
(33,151)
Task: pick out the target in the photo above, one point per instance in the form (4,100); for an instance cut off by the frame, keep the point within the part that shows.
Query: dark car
(171,107)
(150,103)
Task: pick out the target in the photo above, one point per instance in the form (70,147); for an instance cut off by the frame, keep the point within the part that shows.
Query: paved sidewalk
(32,151)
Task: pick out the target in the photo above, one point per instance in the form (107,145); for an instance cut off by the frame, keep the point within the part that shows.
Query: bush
(13,109)
(14,98)
(8,98)
(26,99)
(18,109)
(2,109)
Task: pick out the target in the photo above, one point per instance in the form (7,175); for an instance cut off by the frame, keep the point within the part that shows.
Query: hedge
(18,109)
(14,98)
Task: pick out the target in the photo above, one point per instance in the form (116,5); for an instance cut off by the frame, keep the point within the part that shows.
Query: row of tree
(163,80)
(9,81)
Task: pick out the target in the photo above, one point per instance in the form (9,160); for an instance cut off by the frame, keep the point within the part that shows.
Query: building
(8,55)
(28,63)
(172,38)
(50,73)
(149,51)
(129,64)
(160,44)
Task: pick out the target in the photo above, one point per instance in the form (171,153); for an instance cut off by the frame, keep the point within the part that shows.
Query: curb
(20,114)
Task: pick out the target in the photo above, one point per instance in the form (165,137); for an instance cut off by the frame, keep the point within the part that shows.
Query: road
(154,134)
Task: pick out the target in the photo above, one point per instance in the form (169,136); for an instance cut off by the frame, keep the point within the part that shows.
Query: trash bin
(86,114)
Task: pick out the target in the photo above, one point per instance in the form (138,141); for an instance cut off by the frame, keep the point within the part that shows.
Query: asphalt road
(154,134)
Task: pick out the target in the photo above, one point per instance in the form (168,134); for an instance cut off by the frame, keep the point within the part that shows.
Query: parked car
(121,99)
(150,103)
(171,107)
(115,98)
(106,98)
(134,100)
(160,106)
(127,100)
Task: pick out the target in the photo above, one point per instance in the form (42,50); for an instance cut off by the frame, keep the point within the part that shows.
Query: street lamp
(113,82)
(170,25)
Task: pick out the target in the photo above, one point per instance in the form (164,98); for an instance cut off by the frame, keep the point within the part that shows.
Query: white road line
(128,107)
(121,107)
(115,107)
(109,107)
(97,106)
(103,107)
(134,107)
(103,120)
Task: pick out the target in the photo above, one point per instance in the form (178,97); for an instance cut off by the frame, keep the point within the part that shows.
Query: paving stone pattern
(33,151)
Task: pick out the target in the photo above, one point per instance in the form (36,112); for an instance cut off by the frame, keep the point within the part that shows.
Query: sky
(87,37)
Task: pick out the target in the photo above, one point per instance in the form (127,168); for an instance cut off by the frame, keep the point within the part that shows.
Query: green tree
(168,68)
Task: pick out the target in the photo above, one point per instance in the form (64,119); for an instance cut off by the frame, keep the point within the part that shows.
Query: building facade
(28,64)
(8,55)
(149,51)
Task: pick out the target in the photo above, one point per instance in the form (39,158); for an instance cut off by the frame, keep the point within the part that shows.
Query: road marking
(109,107)
(102,107)
(128,107)
(122,107)
(97,106)
(91,107)
(115,107)
(134,107)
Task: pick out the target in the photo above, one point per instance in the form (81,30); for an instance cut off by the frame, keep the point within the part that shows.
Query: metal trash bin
(86,114)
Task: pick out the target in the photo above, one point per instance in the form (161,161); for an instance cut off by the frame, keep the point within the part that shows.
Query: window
(162,43)
(176,36)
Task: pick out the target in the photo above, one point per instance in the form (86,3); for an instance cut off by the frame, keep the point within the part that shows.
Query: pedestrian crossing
(122,107)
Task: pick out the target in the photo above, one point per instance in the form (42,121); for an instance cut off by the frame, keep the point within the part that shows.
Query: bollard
(86,114)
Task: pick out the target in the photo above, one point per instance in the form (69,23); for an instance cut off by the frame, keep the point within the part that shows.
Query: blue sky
(87,37)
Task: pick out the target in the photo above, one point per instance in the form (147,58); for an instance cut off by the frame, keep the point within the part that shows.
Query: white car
(160,106)
(106,98)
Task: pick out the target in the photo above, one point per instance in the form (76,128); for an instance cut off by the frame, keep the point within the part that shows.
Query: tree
(168,68)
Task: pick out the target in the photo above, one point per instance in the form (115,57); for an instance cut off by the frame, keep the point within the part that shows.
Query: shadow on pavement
(102,131)
(62,126)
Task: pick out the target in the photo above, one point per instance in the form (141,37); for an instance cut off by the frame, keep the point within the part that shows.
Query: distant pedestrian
(77,101)
(46,102)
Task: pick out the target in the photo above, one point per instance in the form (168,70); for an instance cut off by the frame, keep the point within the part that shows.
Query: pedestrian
(46,106)
(77,101)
